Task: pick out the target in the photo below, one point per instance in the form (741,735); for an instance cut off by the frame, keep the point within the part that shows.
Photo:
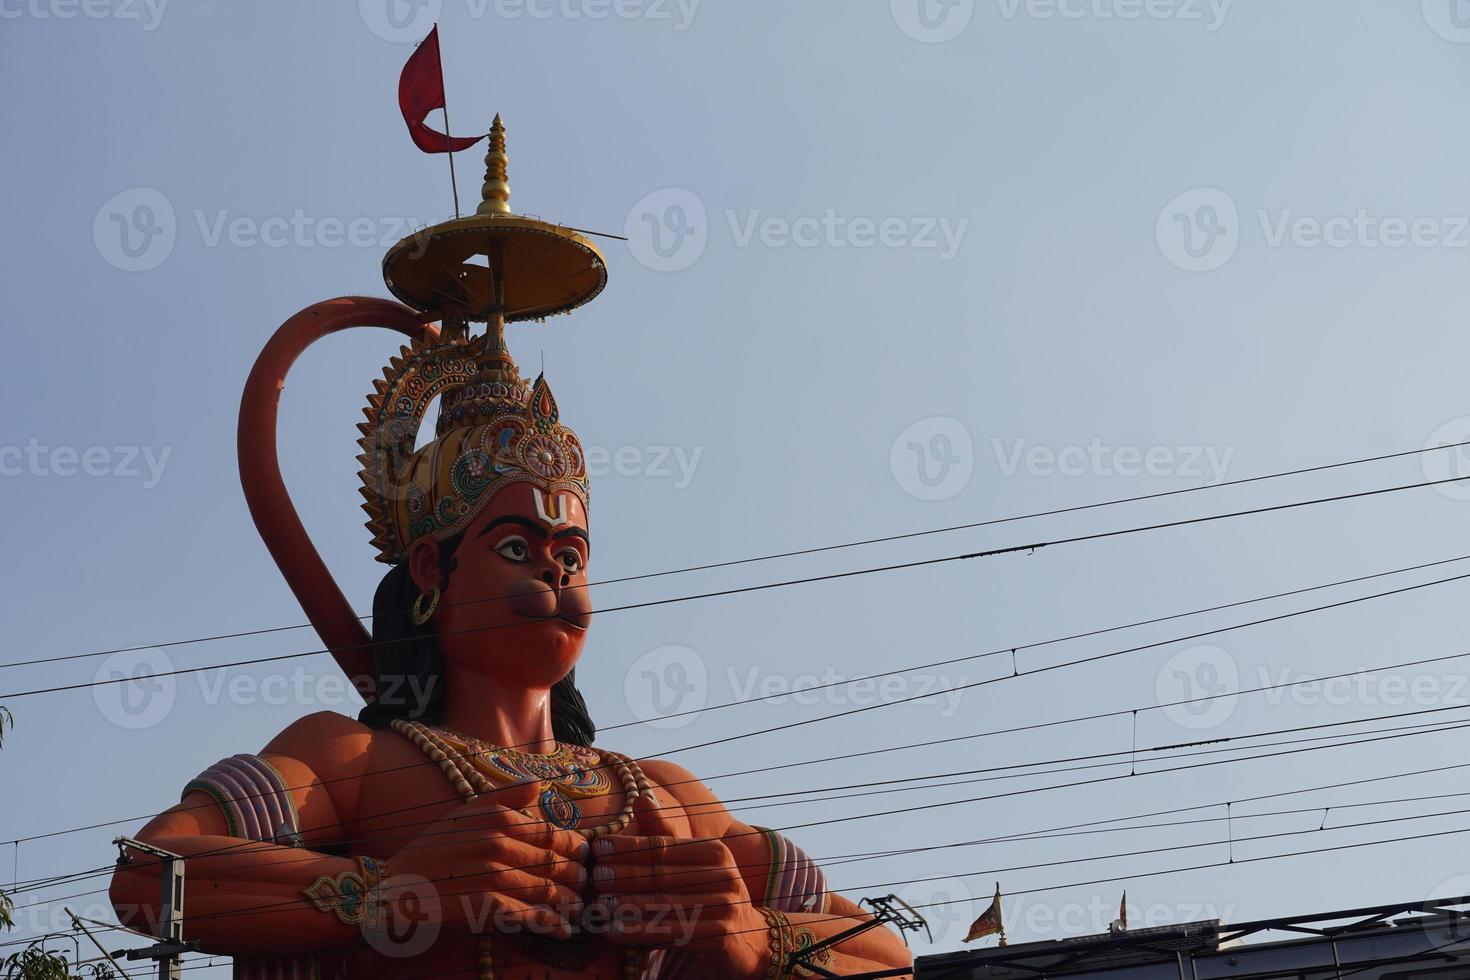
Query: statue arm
(247,880)
(743,896)
(790,892)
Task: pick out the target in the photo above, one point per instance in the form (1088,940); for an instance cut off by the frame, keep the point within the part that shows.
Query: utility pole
(170,910)
(888,910)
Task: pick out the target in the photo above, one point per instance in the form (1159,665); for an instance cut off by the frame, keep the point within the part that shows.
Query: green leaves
(35,963)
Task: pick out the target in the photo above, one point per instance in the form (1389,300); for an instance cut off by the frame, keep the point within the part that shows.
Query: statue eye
(514,548)
(571,560)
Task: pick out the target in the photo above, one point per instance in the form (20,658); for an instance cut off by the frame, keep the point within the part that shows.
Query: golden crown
(493,429)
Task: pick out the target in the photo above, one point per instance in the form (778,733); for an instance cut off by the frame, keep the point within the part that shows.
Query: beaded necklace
(569,769)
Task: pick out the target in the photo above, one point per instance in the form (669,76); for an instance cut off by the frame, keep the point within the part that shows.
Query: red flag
(989,922)
(420,92)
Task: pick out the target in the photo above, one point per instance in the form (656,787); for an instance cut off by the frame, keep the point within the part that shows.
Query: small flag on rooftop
(990,922)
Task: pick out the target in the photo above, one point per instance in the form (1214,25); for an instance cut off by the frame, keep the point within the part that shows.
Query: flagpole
(453,184)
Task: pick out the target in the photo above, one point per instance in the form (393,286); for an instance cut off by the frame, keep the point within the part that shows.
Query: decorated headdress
(493,429)
(489,267)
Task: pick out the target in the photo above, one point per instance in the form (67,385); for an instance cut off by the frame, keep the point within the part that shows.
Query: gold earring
(420,615)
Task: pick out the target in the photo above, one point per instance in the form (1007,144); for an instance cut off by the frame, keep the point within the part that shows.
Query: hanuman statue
(467,824)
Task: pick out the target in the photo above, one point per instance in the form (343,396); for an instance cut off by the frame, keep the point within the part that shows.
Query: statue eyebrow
(572,532)
(511,519)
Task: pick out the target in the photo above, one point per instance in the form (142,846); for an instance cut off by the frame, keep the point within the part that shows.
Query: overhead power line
(820,549)
(136,818)
(830,577)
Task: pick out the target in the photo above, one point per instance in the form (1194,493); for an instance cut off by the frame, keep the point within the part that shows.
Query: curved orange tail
(260,471)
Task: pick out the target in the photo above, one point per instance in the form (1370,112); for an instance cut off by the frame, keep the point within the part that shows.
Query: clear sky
(892,268)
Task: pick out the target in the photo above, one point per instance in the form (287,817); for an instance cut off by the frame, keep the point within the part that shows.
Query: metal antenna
(166,953)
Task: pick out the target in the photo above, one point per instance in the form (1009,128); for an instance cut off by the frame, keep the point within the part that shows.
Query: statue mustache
(535,599)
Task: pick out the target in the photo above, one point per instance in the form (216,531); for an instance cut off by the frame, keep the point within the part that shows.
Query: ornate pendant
(558,810)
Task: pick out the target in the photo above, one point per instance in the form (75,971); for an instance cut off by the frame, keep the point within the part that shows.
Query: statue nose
(556,578)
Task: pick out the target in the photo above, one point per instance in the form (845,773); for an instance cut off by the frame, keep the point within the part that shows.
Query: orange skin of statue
(512,620)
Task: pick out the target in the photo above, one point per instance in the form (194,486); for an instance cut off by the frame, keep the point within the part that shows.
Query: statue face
(515,604)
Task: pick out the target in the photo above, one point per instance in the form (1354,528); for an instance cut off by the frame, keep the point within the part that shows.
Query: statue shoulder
(327,748)
(324,740)
(707,815)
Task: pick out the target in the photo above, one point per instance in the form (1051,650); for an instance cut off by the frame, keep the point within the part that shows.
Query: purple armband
(253,797)
(794,883)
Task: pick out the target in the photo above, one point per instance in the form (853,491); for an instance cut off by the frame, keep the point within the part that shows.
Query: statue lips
(534,599)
